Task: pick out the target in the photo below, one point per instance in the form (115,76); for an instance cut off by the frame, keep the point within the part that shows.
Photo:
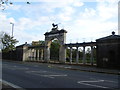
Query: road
(42,75)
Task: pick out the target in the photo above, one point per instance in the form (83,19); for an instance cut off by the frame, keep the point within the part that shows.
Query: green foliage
(1,34)
(54,50)
(67,53)
(88,54)
(41,42)
(8,42)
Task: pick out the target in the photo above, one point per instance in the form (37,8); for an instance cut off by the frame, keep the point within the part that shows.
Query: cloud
(88,13)
(27,29)
(51,6)
(23,37)
(81,23)
(66,13)
(5,23)
(12,20)
(94,23)
(24,28)
(107,9)
(78,3)
(13,7)
(87,29)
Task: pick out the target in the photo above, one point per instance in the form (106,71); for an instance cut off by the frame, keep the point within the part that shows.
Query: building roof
(110,37)
(23,45)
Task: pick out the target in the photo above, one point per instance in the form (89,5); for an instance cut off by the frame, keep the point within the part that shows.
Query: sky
(84,20)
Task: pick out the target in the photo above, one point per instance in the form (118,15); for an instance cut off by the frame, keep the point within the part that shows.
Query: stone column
(47,54)
(91,58)
(41,56)
(77,55)
(25,49)
(84,56)
(34,54)
(70,54)
(38,54)
(31,54)
(62,54)
(24,55)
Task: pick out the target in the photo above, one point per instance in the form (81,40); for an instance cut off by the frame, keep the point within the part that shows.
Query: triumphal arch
(55,34)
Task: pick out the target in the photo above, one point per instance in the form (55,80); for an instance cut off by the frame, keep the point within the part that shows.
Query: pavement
(88,69)
(7,86)
(81,67)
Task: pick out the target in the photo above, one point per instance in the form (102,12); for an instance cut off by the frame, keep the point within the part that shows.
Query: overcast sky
(85,20)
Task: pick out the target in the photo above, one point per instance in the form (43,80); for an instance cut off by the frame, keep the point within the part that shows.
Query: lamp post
(12,27)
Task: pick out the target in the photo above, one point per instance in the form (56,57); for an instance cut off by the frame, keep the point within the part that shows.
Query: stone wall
(16,55)
(108,52)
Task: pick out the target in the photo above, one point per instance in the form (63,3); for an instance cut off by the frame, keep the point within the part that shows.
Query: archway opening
(54,50)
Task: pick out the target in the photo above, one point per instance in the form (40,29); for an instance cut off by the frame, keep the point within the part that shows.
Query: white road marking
(11,84)
(105,80)
(18,68)
(14,66)
(111,81)
(40,71)
(92,81)
(67,67)
(92,85)
(57,75)
(87,83)
(46,74)
(49,66)
(53,76)
(36,66)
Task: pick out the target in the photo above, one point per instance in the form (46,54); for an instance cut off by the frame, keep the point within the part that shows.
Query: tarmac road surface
(42,75)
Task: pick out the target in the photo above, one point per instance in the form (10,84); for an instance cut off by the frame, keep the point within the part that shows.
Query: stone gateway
(61,36)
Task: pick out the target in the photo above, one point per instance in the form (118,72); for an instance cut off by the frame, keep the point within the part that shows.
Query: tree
(4,3)
(8,42)
(54,50)
(1,35)
(41,42)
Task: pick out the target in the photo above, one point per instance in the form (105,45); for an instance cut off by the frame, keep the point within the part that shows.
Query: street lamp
(12,27)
